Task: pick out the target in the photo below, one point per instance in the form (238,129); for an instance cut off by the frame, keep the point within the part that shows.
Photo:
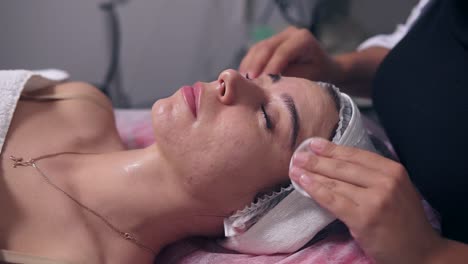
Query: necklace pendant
(128,236)
(20,162)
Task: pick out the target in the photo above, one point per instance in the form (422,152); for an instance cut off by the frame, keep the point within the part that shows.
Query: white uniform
(390,40)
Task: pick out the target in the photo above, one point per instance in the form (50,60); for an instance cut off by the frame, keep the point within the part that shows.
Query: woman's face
(232,138)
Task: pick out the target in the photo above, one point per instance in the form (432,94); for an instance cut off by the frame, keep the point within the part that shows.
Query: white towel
(13,82)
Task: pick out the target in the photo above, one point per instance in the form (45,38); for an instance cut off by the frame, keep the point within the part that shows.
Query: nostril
(221,87)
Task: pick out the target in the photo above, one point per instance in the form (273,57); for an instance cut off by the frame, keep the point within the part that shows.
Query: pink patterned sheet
(337,248)
(135,128)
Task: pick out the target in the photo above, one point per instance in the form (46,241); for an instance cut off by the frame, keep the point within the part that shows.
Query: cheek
(172,125)
(226,179)
(230,136)
(224,163)
(162,118)
(229,147)
(250,166)
(252,173)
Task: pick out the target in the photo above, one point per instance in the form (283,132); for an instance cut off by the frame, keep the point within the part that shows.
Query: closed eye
(268,123)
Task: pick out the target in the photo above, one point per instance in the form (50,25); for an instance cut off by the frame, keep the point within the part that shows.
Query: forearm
(449,252)
(355,71)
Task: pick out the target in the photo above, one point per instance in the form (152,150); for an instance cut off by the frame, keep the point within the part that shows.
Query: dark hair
(333,93)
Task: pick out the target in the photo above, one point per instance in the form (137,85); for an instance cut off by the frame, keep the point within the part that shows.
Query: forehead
(314,105)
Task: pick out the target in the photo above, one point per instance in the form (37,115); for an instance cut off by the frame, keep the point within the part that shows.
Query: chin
(161,115)
(169,121)
(161,107)
(164,112)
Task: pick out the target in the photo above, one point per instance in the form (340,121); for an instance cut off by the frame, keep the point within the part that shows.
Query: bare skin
(296,52)
(44,216)
(385,230)
(157,194)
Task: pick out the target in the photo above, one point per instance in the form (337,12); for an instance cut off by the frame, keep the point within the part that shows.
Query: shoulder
(81,100)
(71,90)
(87,110)
(83,89)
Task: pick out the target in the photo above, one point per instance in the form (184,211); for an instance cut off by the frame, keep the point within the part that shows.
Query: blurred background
(140,50)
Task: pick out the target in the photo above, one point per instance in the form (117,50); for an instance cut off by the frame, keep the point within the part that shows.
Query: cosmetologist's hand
(292,52)
(373,196)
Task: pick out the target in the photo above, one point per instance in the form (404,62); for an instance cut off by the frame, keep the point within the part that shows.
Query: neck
(140,193)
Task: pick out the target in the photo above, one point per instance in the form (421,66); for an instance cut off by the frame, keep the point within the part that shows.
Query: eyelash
(269,124)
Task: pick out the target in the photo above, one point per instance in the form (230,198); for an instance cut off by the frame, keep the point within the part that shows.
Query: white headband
(286,220)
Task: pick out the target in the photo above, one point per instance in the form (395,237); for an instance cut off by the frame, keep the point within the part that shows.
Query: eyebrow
(289,102)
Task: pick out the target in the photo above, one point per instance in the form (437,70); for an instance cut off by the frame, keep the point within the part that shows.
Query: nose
(229,84)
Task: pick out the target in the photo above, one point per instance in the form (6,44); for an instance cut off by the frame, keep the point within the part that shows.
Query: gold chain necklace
(19,162)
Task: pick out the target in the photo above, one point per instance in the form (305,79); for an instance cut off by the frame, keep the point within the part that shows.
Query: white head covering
(285,221)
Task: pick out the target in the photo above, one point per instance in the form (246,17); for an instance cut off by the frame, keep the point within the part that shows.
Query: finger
(289,51)
(259,55)
(340,206)
(258,59)
(247,64)
(350,191)
(280,59)
(336,169)
(364,158)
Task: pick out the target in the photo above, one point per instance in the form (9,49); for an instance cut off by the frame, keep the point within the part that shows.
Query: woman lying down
(72,192)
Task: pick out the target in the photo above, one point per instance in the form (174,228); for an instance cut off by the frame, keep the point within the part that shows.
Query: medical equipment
(112,77)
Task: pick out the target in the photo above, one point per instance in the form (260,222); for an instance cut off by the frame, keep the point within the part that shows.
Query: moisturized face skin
(242,137)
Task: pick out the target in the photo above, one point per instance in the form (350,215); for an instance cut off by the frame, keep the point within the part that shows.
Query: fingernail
(318,144)
(300,159)
(295,174)
(305,180)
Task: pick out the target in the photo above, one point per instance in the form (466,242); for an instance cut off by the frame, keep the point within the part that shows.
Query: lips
(189,97)
(197,89)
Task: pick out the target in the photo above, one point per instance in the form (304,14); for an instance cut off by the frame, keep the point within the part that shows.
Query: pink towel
(334,249)
(135,127)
